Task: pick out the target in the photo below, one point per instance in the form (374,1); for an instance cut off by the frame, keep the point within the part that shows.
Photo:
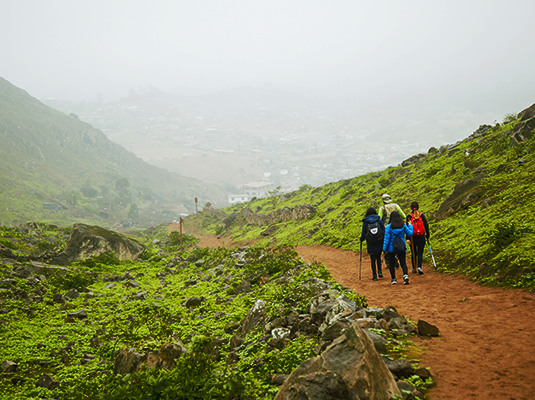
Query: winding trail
(486,348)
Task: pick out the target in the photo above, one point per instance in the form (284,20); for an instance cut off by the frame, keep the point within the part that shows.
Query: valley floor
(486,348)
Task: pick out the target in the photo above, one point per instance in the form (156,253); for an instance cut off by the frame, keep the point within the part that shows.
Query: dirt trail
(486,349)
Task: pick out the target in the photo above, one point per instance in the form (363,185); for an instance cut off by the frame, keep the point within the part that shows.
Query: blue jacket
(390,233)
(371,247)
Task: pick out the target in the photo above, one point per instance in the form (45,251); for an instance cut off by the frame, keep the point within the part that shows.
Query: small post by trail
(180,225)
(196,210)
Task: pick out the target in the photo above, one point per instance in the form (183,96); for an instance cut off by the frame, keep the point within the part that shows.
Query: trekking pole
(431,251)
(360,264)
(413,258)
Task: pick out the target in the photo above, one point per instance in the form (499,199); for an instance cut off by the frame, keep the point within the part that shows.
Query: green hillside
(50,157)
(478,195)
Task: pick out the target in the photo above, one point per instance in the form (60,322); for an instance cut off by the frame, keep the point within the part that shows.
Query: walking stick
(360,264)
(413,256)
(431,251)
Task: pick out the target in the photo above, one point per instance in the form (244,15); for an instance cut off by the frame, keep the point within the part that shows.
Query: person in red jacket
(419,235)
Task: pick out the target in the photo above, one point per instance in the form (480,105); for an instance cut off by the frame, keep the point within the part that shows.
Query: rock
(278,379)
(401,368)
(86,241)
(126,362)
(9,366)
(427,329)
(194,302)
(80,314)
(46,381)
(333,331)
(409,391)
(95,341)
(350,368)
(130,284)
(280,333)
(72,294)
(110,286)
(255,316)
(243,287)
(58,298)
(464,194)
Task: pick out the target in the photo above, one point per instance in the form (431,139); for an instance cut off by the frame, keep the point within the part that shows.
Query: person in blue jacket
(374,239)
(397,228)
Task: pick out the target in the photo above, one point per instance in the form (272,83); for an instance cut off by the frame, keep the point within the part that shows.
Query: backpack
(374,232)
(398,245)
(387,210)
(417,224)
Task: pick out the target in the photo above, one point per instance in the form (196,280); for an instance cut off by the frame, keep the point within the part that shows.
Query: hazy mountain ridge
(47,152)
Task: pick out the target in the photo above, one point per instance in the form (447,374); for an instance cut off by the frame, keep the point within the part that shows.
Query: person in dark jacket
(396,228)
(418,238)
(374,240)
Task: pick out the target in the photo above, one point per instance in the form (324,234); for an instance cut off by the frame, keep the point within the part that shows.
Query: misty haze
(301,93)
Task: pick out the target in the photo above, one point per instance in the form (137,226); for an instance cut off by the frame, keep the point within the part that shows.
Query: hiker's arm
(363,233)
(380,214)
(426,226)
(409,230)
(386,240)
(400,211)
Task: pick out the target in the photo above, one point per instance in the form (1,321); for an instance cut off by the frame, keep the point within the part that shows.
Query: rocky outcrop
(86,241)
(301,211)
(464,194)
(350,368)
(525,128)
(129,361)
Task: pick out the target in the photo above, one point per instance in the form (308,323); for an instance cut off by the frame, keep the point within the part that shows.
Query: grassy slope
(45,155)
(492,244)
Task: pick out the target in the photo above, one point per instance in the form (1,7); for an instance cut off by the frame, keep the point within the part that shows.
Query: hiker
(373,231)
(394,245)
(384,213)
(420,234)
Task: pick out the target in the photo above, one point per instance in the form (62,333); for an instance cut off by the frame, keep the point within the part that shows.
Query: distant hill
(56,168)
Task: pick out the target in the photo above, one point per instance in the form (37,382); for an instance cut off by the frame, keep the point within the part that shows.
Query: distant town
(248,148)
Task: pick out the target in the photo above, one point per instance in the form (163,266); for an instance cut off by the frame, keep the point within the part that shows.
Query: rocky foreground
(251,322)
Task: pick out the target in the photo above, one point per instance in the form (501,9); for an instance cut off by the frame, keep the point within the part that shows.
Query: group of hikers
(386,231)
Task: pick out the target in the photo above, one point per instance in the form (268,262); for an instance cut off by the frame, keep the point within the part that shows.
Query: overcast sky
(74,49)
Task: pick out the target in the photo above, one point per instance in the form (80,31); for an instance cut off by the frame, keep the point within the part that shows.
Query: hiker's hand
(409,242)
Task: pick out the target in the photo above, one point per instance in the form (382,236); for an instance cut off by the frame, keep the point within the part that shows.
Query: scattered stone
(80,314)
(46,381)
(9,366)
(427,329)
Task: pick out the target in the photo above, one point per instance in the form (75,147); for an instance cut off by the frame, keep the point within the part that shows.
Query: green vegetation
(55,168)
(486,235)
(39,336)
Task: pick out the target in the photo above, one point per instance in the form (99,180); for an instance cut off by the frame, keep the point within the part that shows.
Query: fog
(375,62)
(77,49)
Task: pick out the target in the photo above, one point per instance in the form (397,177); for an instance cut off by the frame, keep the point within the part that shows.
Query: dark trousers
(391,263)
(376,264)
(419,246)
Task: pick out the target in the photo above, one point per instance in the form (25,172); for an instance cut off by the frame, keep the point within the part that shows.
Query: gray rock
(350,368)
(72,294)
(243,287)
(9,366)
(46,381)
(427,329)
(86,241)
(80,314)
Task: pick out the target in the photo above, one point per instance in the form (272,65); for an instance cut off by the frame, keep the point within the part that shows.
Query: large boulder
(129,361)
(86,241)
(349,369)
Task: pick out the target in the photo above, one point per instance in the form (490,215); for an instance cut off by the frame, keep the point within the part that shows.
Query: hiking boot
(380,275)
(374,278)
(405,279)
(413,271)
(394,281)
(420,271)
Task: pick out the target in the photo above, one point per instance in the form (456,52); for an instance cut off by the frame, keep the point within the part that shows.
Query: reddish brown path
(487,345)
